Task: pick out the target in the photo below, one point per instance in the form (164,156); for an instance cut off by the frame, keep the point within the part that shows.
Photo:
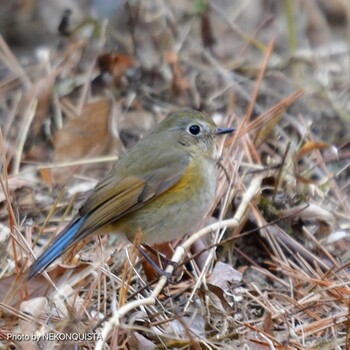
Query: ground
(269,267)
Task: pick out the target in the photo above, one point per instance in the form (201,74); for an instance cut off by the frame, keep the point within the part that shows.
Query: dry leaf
(306,149)
(163,249)
(85,136)
(115,64)
(138,342)
(268,323)
(224,276)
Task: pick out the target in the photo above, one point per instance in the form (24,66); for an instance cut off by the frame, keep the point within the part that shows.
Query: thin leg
(157,269)
(162,257)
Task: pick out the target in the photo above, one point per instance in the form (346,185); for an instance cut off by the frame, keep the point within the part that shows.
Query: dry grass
(269,270)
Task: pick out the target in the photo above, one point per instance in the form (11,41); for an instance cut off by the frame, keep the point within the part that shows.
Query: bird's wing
(115,197)
(112,199)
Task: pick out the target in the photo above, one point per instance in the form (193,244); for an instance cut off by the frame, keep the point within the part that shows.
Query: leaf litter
(278,72)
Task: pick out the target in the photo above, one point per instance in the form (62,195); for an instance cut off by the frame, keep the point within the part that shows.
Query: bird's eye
(194,129)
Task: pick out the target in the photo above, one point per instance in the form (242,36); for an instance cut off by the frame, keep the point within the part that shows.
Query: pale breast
(177,211)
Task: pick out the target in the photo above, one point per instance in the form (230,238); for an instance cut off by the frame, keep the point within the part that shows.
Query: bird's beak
(222,131)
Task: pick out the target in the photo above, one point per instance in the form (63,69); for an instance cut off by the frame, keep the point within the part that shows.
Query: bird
(163,186)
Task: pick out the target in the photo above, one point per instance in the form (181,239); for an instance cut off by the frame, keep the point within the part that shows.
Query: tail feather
(57,248)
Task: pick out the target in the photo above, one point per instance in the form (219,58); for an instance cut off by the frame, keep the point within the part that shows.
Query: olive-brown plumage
(162,187)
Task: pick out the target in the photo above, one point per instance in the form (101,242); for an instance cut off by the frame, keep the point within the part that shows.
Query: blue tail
(63,241)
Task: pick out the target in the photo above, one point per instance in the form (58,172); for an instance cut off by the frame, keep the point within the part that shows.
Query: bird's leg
(159,271)
(162,257)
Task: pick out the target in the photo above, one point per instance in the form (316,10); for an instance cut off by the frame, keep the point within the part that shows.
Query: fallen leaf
(305,150)
(115,64)
(85,136)
(224,275)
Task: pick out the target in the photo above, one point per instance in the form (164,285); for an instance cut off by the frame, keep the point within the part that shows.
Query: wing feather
(115,197)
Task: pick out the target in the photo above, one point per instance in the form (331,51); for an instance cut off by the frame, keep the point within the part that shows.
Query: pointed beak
(222,131)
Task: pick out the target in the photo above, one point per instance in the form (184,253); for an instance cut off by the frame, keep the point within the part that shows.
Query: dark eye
(194,129)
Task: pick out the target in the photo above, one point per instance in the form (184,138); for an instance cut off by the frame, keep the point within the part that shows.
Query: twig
(177,257)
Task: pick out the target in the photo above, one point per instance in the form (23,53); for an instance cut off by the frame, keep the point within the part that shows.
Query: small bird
(162,187)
